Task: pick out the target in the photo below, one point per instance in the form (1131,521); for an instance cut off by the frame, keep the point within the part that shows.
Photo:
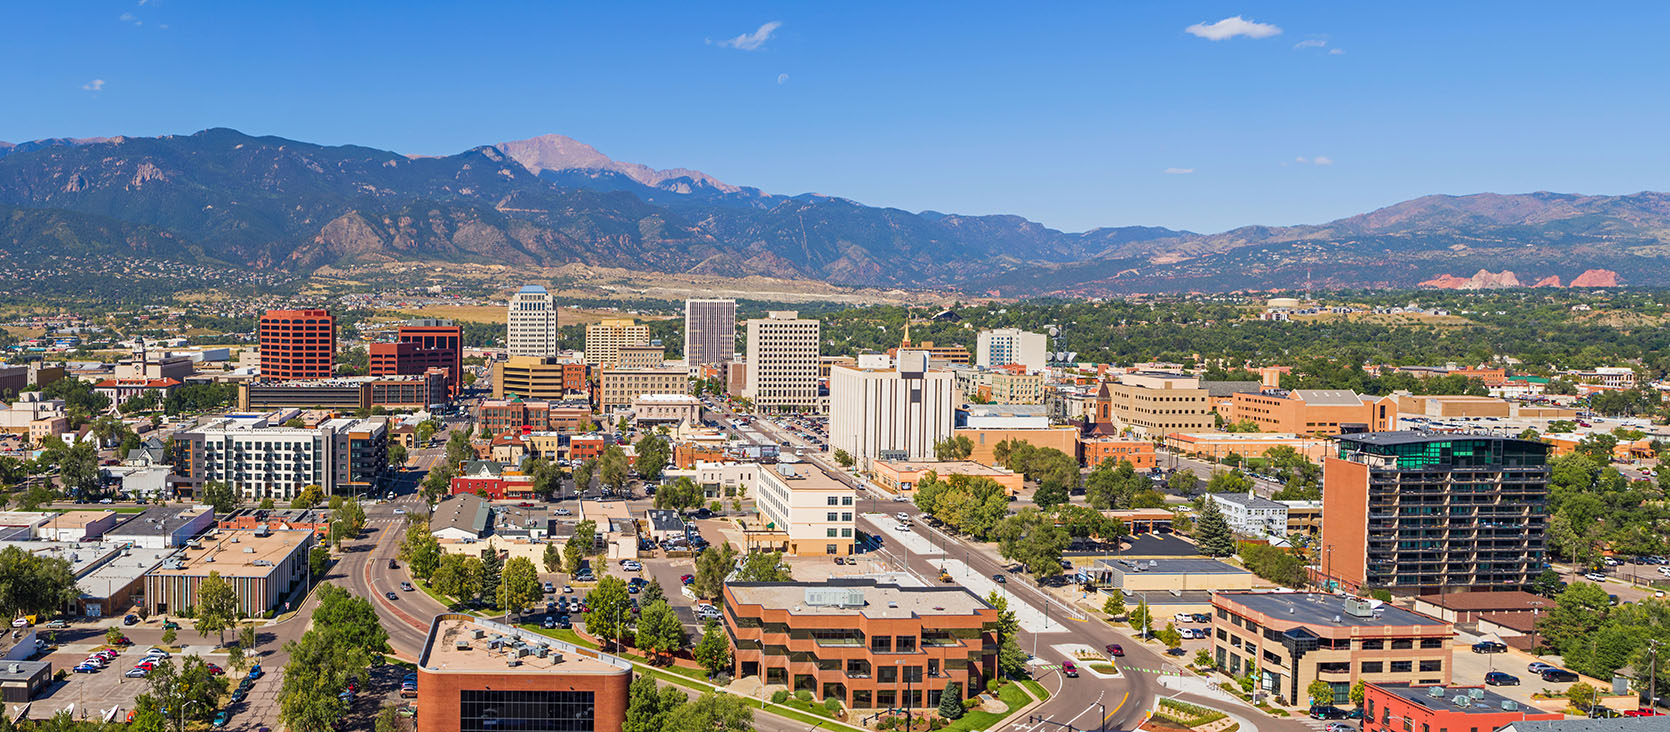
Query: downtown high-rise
(709,331)
(532,323)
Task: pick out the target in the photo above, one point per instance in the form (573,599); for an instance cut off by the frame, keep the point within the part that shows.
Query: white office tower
(1012,345)
(533,323)
(709,331)
(898,411)
(783,362)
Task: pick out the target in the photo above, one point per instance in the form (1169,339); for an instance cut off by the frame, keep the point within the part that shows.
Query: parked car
(1069,670)
(1558,675)
(1326,711)
(1501,678)
(687,579)
(58,623)
(1184,617)
(1537,667)
(215,670)
(1490,647)
(86,668)
(550,588)
(221,717)
(1595,577)
(136,672)
(1339,727)
(1114,649)
(408,689)
(129,619)
(255,672)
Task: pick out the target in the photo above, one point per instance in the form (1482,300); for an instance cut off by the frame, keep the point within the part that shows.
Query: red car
(147,665)
(687,579)
(1114,649)
(1644,712)
(215,670)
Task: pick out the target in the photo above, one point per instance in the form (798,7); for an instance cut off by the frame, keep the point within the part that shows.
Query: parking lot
(1470,668)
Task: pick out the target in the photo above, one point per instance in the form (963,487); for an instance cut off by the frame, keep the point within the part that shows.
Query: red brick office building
(1406,708)
(419,347)
(297,344)
(476,675)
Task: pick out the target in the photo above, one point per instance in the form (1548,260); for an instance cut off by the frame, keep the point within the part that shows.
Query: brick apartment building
(871,646)
(420,346)
(1139,453)
(297,344)
(1422,513)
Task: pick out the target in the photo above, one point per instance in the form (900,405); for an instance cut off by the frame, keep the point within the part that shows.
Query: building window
(1433,665)
(1402,667)
(481,710)
(1373,667)
(1432,642)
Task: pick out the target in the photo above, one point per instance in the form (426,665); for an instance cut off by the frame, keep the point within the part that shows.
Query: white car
(20,623)
(1183,618)
(399,511)
(903,519)
(900,499)
(1664,571)
(1595,577)
(901,527)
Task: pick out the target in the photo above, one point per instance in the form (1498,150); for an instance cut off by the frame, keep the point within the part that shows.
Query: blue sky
(1071,114)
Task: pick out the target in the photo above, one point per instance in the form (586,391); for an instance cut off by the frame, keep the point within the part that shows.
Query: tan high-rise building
(709,331)
(531,328)
(640,357)
(605,339)
(783,362)
(1154,405)
(617,388)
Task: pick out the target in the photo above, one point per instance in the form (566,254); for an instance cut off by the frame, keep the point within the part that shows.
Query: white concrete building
(783,362)
(1012,345)
(532,325)
(1252,515)
(806,512)
(261,460)
(709,331)
(896,412)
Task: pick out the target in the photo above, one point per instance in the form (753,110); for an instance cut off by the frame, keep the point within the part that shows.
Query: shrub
(803,695)
(831,705)
(779,696)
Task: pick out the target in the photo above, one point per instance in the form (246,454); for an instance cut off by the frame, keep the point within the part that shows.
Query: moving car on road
(1069,670)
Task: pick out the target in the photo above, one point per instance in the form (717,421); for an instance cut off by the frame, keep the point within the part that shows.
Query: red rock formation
(1445,282)
(1596,278)
(1549,281)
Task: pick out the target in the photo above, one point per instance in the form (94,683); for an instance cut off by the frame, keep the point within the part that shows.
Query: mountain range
(267,202)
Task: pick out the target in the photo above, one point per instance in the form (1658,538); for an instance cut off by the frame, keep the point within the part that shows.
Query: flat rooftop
(82,555)
(464,644)
(1188,565)
(805,477)
(131,564)
(1479,699)
(880,601)
(160,521)
(235,553)
(1324,610)
(73,519)
(948,467)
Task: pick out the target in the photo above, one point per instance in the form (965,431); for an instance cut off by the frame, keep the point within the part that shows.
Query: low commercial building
(163,527)
(1166,574)
(869,645)
(20,681)
(804,512)
(347,393)
(901,476)
(666,408)
(1154,404)
(33,416)
(1251,514)
(316,520)
(504,415)
(1470,607)
(1402,707)
(475,675)
(119,391)
(263,566)
(462,517)
(492,480)
(1294,638)
(1097,450)
(77,526)
(1453,406)
(1313,411)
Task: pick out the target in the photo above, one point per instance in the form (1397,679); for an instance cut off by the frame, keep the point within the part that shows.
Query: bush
(886,724)
(779,696)
(832,705)
(803,695)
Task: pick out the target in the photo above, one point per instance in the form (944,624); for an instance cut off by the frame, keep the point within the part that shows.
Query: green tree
(660,633)
(712,566)
(1184,482)
(649,706)
(951,702)
(1320,692)
(1032,538)
(1115,605)
(1359,692)
(1581,695)
(421,550)
(79,470)
(713,651)
(764,567)
(317,671)
(583,475)
(1011,660)
(32,584)
(1141,619)
(387,719)
(653,455)
(520,588)
(310,497)
(220,496)
(956,447)
(492,570)
(169,635)
(397,455)
(553,558)
(1169,635)
(843,458)
(216,608)
(609,609)
(1229,481)
(680,495)
(713,711)
(612,469)
(190,693)
(1212,532)
(580,545)
(457,575)
(1274,564)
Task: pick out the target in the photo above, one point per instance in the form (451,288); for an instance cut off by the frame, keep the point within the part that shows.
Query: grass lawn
(451,604)
(810,707)
(1106,668)
(1037,689)
(1011,694)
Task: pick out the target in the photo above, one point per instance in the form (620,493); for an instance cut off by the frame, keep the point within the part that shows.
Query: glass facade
(482,710)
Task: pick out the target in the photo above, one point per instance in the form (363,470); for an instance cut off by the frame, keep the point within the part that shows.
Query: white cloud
(1310,43)
(1231,27)
(782,78)
(1336,52)
(94,85)
(1318,160)
(753,41)
(1178,171)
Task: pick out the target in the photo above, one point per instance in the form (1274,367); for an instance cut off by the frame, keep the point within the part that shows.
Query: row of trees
(1597,638)
(344,640)
(1055,472)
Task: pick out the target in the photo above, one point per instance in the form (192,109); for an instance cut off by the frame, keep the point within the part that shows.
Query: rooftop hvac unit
(1462,700)
(1509,705)
(556,658)
(249,550)
(513,661)
(1359,607)
(462,645)
(1436,692)
(478,633)
(1476,693)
